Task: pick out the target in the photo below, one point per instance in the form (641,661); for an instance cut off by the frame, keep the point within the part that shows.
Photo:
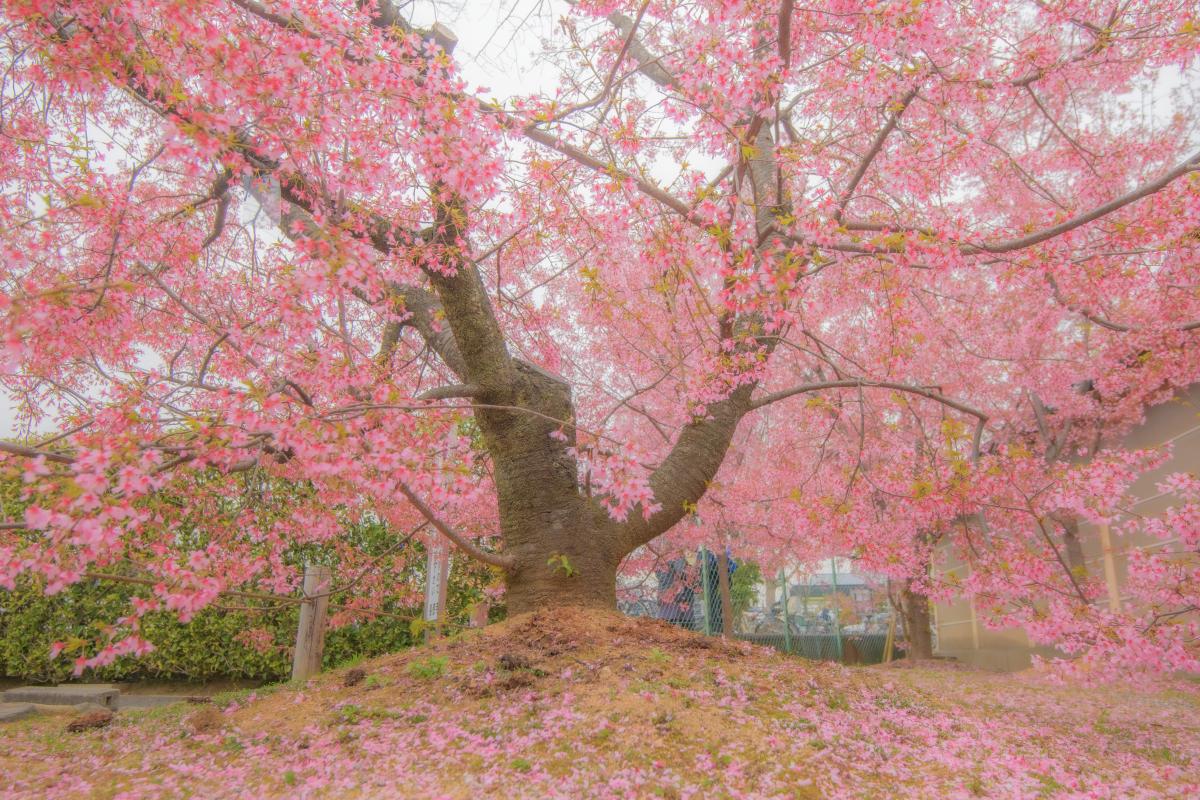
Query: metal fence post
(310,634)
(787,614)
(704,588)
(837,615)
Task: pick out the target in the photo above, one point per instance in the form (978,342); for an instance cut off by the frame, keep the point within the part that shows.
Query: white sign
(436,575)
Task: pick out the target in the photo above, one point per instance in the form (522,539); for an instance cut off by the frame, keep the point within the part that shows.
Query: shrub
(245,643)
(215,645)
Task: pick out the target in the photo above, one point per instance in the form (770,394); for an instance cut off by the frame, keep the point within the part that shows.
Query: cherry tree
(719,279)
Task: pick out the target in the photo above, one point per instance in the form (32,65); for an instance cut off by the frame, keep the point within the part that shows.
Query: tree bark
(726,595)
(564,545)
(1073,545)
(915,610)
(585,578)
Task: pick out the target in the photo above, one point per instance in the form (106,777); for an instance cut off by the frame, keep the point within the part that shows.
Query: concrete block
(13,711)
(102,694)
(149,700)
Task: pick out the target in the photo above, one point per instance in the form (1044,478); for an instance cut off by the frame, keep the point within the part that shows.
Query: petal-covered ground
(581,704)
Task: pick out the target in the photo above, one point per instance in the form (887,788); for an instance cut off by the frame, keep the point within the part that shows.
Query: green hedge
(204,649)
(207,648)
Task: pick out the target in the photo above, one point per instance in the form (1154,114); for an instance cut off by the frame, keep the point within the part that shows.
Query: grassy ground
(590,705)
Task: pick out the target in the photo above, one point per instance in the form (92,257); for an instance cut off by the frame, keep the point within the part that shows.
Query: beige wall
(959,632)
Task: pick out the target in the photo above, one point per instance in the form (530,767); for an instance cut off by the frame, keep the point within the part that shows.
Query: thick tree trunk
(915,610)
(562,579)
(1074,546)
(564,546)
(563,557)
(566,554)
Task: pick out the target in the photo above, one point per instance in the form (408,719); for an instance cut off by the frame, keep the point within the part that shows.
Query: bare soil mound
(580,703)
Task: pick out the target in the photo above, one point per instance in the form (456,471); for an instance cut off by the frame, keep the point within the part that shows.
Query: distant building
(809,594)
(961,635)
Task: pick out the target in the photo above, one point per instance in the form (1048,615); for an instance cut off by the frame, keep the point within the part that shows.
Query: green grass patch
(429,668)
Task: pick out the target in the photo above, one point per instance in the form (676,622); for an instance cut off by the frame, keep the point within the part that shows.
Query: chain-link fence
(812,618)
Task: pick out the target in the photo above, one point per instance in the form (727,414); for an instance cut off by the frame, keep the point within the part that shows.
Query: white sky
(487,31)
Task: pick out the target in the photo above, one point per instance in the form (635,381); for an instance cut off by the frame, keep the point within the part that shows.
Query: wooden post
(726,597)
(936,629)
(310,635)
(437,570)
(889,643)
(1110,570)
(974,625)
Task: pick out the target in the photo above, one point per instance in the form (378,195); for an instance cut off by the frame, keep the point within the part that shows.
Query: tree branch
(785,32)
(854,383)
(860,383)
(686,473)
(1192,164)
(645,187)
(449,392)
(504,562)
(468,309)
(1145,190)
(1103,322)
(876,146)
(648,63)
(30,452)
(426,310)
